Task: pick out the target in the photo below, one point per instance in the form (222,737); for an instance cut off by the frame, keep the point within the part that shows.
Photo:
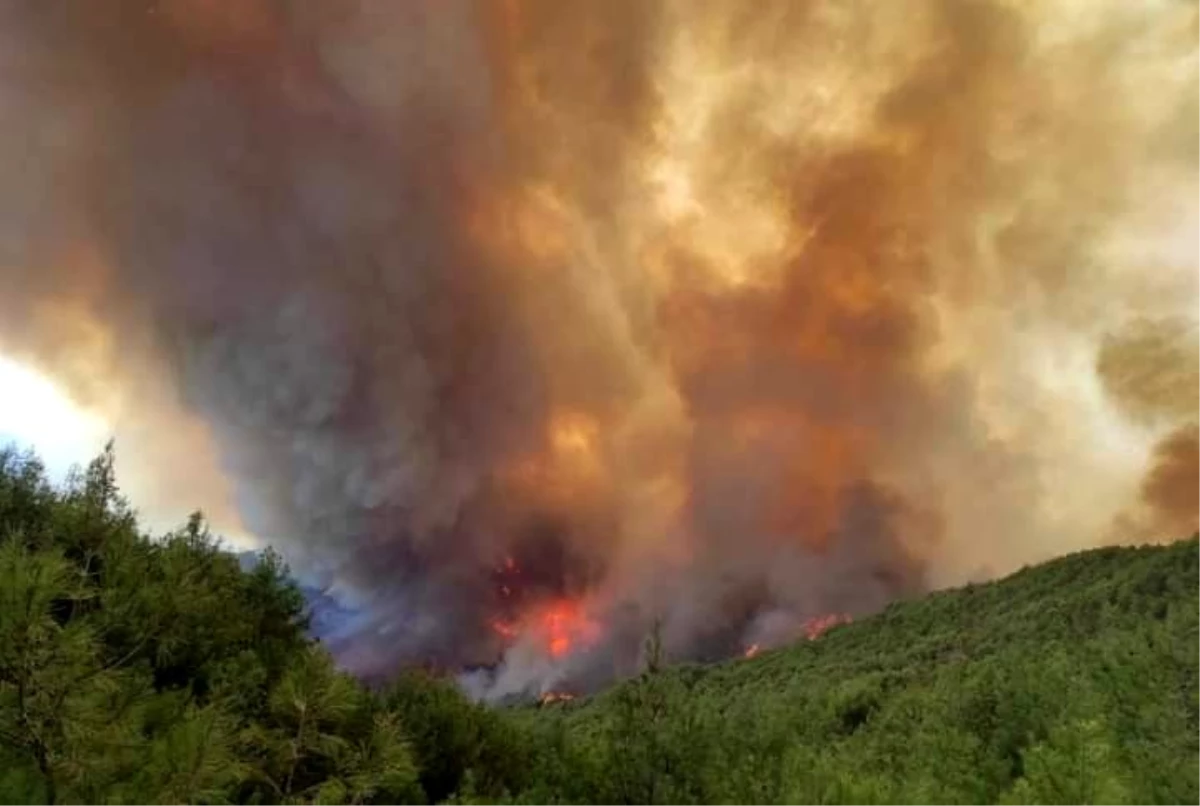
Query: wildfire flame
(559,627)
(555,696)
(812,629)
(817,626)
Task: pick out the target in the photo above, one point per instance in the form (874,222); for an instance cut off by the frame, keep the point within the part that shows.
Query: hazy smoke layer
(532,321)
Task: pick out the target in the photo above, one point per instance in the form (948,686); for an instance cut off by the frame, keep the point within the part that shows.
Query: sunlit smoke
(531,323)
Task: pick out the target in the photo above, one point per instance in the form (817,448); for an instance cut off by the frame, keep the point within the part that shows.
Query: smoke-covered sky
(528,322)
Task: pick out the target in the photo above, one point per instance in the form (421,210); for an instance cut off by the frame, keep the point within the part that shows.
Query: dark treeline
(158,671)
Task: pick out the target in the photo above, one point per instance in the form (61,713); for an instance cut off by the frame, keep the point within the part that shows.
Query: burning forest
(526,324)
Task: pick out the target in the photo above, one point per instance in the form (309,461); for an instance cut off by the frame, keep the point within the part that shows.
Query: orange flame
(751,651)
(815,627)
(564,627)
(560,627)
(555,696)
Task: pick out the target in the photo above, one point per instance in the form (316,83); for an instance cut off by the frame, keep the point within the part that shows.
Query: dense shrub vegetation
(152,671)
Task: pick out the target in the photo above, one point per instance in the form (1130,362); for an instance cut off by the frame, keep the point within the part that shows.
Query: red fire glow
(505,628)
(751,651)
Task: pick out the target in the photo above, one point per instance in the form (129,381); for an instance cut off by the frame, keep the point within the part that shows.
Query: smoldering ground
(730,314)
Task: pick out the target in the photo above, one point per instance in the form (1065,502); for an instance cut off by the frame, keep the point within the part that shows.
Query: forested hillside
(1071,682)
(158,670)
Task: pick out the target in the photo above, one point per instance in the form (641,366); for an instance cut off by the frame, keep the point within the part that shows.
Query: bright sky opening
(35,413)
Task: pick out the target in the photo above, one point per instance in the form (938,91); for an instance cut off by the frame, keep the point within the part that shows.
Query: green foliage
(652,742)
(155,670)
(1075,681)
(461,748)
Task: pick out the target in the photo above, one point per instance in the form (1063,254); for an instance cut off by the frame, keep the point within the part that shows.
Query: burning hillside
(527,323)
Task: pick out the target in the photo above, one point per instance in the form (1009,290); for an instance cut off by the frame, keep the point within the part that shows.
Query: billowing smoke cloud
(1152,370)
(530,322)
(1172,484)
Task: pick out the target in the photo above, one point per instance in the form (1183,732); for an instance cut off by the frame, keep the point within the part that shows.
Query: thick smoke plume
(530,322)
